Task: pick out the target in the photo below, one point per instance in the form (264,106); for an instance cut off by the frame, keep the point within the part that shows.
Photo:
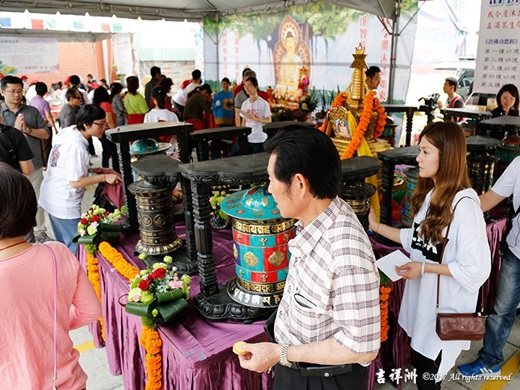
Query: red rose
(106,214)
(159,273)
(95,218)
(144,285)
(84,221)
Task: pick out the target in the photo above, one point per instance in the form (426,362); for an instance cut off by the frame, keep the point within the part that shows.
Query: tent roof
(177,10)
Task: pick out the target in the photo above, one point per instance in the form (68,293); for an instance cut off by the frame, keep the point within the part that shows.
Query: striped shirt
(332,289)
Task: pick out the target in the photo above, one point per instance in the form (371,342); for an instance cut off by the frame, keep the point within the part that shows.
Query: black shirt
(11,138)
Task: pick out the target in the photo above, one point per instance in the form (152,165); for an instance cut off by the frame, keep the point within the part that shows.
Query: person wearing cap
(454,99)
(327,327)
(198,104)
(28,120)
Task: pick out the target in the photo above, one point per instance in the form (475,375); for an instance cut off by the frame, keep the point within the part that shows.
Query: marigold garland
(118,261)
(361,127)
(93,276)
(152,343)
(384,296)
(150,338)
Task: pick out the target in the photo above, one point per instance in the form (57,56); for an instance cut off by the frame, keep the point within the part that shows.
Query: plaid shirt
(332,289)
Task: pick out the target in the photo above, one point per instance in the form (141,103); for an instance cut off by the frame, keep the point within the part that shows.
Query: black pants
(109,151)
(426,371)
(286,378)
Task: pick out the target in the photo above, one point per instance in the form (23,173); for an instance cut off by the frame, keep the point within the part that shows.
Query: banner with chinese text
(28,55)
(498,52)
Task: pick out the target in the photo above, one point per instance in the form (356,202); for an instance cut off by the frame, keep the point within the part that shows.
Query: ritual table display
(201,138)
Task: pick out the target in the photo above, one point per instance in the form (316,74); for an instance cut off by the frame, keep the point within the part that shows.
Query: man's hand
(260,357)
(19,123)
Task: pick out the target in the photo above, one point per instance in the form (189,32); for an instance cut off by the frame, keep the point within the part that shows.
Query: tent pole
(393,50)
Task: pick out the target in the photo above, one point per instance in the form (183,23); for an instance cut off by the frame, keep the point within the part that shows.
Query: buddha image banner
(311,42)
(28,55)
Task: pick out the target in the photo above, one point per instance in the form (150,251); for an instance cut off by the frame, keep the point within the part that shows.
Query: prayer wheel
(357,195)
(155,215)
(480,171)
(260,247)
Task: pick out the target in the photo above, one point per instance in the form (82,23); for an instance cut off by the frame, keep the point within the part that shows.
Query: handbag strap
(55,276)
(442,251)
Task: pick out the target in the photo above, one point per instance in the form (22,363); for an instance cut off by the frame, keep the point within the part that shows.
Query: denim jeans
(502,318)
(65,230)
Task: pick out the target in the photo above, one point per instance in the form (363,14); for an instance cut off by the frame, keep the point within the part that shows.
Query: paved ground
(94,360)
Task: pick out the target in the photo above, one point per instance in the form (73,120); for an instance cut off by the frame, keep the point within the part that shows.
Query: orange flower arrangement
(93,276)
(150,338)
(340,100)
(384,296)
(152,343)
(361,127)
(381,118)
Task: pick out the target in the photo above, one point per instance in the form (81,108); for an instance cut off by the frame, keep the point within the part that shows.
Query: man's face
(447,87)
(283,194)
(373,82)
(13,93)
(225,86)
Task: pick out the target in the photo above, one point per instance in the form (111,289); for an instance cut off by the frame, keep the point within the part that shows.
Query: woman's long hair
(451,177)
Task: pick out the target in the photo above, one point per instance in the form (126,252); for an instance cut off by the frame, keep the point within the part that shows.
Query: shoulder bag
(458,326)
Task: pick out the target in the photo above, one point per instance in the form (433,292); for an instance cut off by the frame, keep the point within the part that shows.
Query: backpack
(7,149)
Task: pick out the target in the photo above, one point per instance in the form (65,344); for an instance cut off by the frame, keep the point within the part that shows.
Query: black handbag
(458,326)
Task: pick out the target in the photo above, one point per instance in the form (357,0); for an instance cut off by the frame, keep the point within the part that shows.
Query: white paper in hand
(388,263)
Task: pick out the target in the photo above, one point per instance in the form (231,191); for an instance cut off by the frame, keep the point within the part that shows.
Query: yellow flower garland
(93,276)
(150,338)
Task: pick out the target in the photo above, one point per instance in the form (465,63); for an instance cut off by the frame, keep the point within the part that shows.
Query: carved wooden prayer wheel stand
(358,195)
(481,162)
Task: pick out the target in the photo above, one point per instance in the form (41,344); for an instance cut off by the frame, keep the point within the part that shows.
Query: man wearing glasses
(28,120)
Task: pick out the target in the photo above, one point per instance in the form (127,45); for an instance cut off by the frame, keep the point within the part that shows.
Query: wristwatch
(283,356)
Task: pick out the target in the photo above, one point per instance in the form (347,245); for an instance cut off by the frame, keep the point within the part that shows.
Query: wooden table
(122,136)
(201,139)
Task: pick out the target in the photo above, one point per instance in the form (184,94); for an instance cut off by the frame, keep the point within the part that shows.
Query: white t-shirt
(469,260)
(181,95)
(68,161)
(160,115)
(261,109)
(507,184)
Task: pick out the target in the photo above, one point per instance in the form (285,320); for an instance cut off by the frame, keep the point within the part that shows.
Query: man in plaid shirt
(327,327)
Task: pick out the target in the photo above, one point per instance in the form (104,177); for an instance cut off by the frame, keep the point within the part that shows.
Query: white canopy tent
(388,12)
(179,10)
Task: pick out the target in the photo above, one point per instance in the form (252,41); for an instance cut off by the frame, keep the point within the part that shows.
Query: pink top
(27,307)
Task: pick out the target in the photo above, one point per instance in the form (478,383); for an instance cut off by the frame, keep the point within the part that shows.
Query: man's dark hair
(225,79)
(88,114)
(10,80)
(205,87)
(41,88)
(371,72)
(154,71)
(310,153)
(245,70)
(74,80)
(18,203)
(71,93)
(452,81)
(196,75)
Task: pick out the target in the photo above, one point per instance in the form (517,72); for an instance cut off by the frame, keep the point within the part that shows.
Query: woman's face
(249,87)
(507,101)
(428,159)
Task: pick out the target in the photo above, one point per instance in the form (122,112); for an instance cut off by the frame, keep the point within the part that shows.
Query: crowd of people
(327,327)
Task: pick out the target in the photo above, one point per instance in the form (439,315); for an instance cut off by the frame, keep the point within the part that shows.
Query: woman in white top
(255,112)
(466,263)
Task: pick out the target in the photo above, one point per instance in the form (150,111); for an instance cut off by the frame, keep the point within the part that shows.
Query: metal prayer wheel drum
(155,215)
(260,247)
(358,196)
(412,177)
(480,171)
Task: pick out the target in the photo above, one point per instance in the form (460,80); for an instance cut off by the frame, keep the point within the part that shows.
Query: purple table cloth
(196,353)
